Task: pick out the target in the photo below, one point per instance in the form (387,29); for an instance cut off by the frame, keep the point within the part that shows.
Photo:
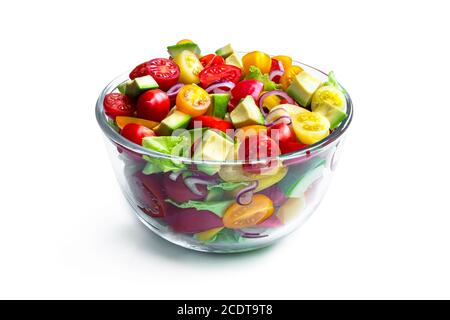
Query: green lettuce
(217,207)
(256,74)
(333,82)
(175,146)
(227,186)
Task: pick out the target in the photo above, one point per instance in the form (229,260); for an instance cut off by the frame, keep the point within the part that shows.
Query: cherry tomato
(177,190)
(247,131)
(211,60)
(212,122)
(281,132)
(245,88)
(258,147)
(136,132)
(165,72)
(289,147)
(153,105)
(117,104)
(193,100)
(218,73)
(239,217)
(191,220)
(146,189)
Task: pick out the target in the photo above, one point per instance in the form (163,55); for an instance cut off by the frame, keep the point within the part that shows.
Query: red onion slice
(225,84)
(191,183)
(245,195)
(285,119)
(279,93)
(275,73)
(173,91)
(174,175)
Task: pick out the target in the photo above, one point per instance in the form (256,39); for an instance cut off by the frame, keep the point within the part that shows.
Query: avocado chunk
(234,60)
(301,178)
(214,147)
(246,113)
(177,120)
(135,87)
(331,103)
(178,48)
(219,104)
(225,52)
(303,88)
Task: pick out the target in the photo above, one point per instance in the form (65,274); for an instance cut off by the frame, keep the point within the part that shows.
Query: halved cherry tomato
(239,217)
(189,65)
(153,105)
(212,122)
(146,190)
(164,71)
(123,121)
(245,88)
(258,147)
(289,75)
(117,104)
(288,147)
(247,131)
(285,60)
(211,60)
(193,100)
(218,73)
(281,133)
(258,59)
(136,132)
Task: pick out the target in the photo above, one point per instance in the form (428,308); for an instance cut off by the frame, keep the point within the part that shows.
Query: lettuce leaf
(332,81)
(256,74)
(170,145)
(217,207)
(227,186)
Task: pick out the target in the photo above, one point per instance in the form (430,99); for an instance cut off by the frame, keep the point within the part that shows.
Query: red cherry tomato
(164,71)
(178,192)
(281,132)
(212,122)
(245,88)
(258,147)
(117,104)
(211,60)
(136,132)
(153,105)
(218,73)
(289,146)
(191,220)
(146,190)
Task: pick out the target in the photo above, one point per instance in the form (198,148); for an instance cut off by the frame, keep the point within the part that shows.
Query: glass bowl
(208,228)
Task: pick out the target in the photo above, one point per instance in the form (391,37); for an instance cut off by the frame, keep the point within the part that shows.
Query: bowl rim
(114,136)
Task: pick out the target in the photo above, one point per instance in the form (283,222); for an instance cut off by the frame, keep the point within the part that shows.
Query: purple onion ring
(225,84)
(173,91)
(279,93)
(275,73)
(174,175)
(192,182)
(245,195)
(285,119)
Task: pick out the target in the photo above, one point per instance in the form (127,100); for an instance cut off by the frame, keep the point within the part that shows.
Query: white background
(383,230)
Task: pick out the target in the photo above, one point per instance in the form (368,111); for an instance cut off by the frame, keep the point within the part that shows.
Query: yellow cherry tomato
(185,41)
(247,131)
(193,100)
(289,75)
(258,59)
(208,235)
(271,101)
(190,66)
(238,216)
(123,121)
(285,60)
(310,127)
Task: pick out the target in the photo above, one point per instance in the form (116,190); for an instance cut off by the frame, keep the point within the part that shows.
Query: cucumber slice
(331,103)
(225,51)
(300,177)
(219,104)
(178,48)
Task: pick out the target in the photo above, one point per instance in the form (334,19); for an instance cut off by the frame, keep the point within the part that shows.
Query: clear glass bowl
(204,230)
